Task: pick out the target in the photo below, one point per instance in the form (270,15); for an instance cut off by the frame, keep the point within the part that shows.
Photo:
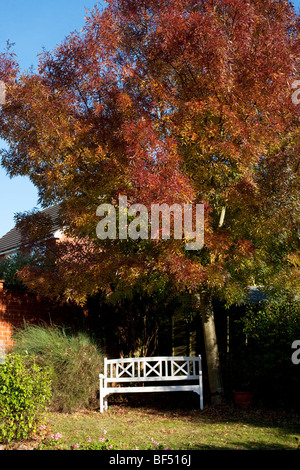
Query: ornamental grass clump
(76,361)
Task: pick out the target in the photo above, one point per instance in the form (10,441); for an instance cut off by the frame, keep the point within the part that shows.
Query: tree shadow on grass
(186,406)
(188,403)
(241,446)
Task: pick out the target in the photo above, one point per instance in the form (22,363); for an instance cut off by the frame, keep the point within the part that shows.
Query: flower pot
(243,399)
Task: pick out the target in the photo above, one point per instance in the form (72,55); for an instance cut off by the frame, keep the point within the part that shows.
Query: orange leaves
(154,165)
(175,101)
(124,101)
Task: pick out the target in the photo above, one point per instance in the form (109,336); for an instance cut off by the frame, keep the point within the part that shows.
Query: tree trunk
(211,348)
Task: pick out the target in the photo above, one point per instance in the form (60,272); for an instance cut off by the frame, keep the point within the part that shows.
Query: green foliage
(277,319)
(9,268)
(75,359)
(270,331)
(25,391)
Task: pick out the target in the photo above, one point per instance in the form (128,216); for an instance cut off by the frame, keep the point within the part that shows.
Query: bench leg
(101,393)
(101,404)
(201,392)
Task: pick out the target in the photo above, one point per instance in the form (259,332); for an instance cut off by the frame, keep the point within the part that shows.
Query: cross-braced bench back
(152,369)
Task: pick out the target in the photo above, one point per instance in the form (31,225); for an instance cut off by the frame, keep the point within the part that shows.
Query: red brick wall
(18,308)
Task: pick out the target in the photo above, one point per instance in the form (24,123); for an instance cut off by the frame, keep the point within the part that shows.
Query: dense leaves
(166,101)
(174,101)
(262,356)
(25,392)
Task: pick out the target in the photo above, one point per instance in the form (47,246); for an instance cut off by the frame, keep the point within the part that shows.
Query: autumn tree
(176,102)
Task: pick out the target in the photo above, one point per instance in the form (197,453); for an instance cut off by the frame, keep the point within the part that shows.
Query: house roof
(12,239)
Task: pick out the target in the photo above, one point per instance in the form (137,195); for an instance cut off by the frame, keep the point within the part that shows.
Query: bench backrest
(142,369)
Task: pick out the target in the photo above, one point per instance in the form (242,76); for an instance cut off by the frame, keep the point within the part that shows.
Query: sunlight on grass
(212,429)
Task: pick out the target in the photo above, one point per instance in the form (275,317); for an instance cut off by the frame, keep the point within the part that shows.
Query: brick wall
(18,308)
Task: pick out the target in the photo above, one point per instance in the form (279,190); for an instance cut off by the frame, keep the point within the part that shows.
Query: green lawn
(132,427)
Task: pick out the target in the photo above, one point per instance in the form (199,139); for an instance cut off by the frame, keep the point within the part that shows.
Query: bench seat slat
(166,378)
(156,388)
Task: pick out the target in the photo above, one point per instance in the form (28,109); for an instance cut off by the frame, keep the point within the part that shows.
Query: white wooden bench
(141,374)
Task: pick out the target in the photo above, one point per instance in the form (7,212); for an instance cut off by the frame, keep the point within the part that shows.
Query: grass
(75,359)
(131,425)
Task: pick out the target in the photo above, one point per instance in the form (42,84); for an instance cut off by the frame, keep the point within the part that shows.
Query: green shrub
(271,329)
(25,391)
(75,359)
(9,268)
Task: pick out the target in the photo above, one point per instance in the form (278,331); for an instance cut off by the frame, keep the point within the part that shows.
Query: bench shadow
(167,401)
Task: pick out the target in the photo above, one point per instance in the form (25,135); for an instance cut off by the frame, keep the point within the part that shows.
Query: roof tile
(12,239)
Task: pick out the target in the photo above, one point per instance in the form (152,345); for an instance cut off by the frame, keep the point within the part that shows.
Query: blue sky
(32,25)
